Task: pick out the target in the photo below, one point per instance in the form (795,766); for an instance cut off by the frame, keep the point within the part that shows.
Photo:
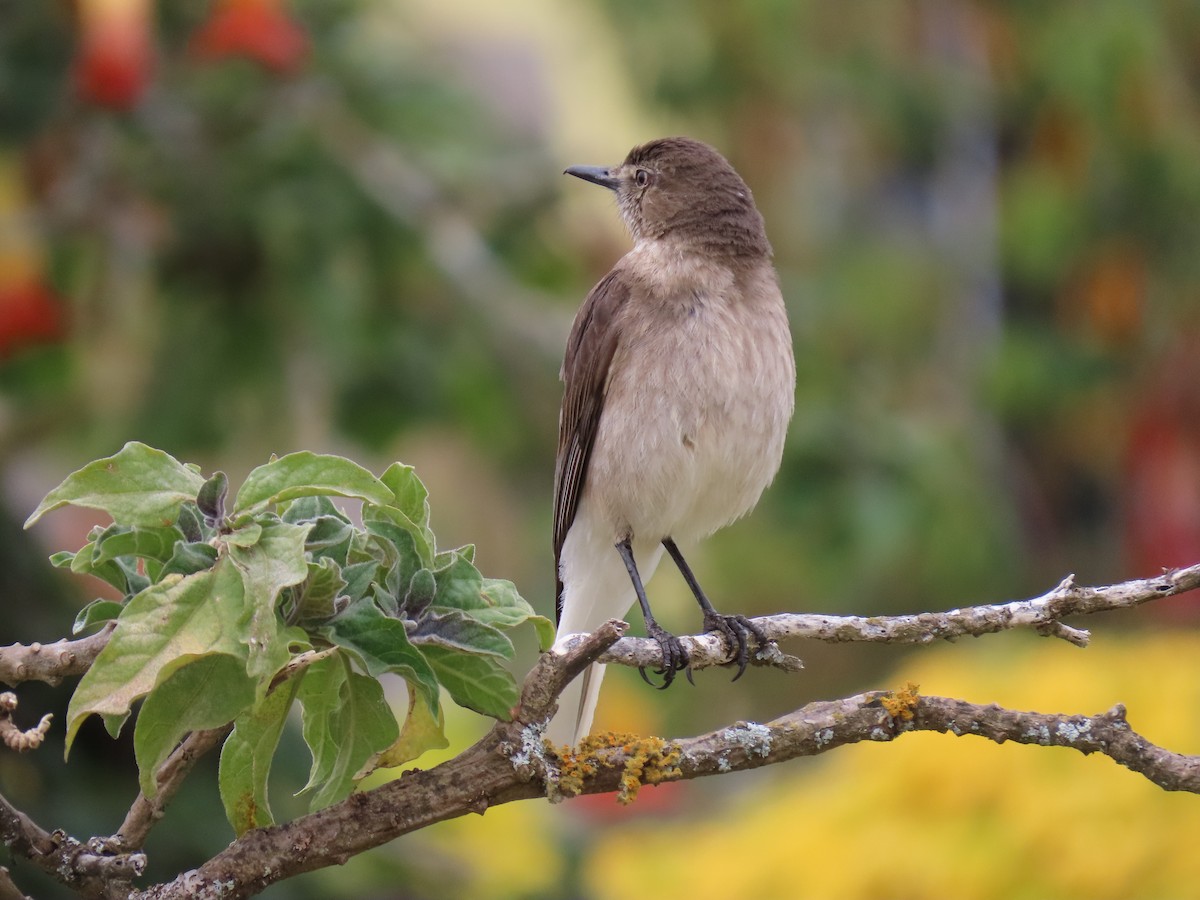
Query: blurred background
(237,227)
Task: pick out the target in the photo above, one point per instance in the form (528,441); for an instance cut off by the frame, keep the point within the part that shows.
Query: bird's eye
(642,177)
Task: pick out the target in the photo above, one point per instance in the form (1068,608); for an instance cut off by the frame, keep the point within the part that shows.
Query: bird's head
(683,190)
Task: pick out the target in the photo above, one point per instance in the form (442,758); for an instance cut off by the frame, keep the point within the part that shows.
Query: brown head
(683,190)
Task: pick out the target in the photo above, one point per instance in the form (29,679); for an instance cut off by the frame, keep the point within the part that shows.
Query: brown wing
(590,350)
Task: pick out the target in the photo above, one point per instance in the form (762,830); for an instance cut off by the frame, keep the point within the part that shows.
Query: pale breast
(697,405)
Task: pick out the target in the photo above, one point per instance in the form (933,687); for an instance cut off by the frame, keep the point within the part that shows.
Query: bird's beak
(601,175)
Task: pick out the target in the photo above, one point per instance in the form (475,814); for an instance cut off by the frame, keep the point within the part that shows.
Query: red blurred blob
(652,799)
(30,313)
(260,30)
(1162,469)
(115,56)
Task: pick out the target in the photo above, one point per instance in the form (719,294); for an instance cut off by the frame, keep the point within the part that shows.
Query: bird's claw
(737,630)
(674,655)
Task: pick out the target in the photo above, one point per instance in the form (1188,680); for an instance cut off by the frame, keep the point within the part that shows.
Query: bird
(678,388)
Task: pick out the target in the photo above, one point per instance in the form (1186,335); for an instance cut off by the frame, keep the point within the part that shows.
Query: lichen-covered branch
(1043,614)
(97,869)
(513,763)
(51,663)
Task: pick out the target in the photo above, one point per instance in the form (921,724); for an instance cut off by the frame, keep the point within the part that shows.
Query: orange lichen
(902,704)
(644,760)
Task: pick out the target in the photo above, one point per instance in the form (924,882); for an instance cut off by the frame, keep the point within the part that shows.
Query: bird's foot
(675,657)
(737,631)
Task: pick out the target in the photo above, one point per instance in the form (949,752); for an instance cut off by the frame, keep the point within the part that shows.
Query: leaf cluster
(235,611)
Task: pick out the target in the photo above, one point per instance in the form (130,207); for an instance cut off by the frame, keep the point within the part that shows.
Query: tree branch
(51,663)
(98,869)
(9,890)
(1043,614)
(513,762)
(500,768)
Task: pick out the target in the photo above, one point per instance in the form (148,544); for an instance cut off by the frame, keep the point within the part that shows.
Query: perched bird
(679,383)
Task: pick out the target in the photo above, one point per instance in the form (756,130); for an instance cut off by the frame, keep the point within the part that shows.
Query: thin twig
(1042,614)
(11,734)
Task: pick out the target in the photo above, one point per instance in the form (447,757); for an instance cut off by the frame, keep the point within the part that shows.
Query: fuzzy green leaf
(189,558)
(315,597)
(480,683)
(276,561)
(382,643)
(507,609)
(137,486)
(99,610)
(409,495)
(175,620)
(457,630)
(459,584)
(306,474)
(346,722)
(147,543)
(210,500)
(423,730)
(204,692)
(246,759)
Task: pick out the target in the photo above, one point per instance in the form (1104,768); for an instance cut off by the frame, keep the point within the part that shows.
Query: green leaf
(305,509)
(189,558)
(245,536)
(508,609)
(306,474)
(422,591)
(480,683)
(275,562)
(315,597)
(413,550)
(423,730)
(177,619)
(99,610)
(191,523)
(358,578)
(382,643)
(108,571)
(247,755)
(459,584)
(203,692)
(137,486)
(409,495)
(148,543)
(327,532)
(456,630)
(346,722)
(210,500)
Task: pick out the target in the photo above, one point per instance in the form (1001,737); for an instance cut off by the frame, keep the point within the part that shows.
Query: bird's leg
(675,657)
(735,629)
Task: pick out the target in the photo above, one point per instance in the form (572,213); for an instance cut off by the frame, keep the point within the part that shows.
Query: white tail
(596,588)
(576,708)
